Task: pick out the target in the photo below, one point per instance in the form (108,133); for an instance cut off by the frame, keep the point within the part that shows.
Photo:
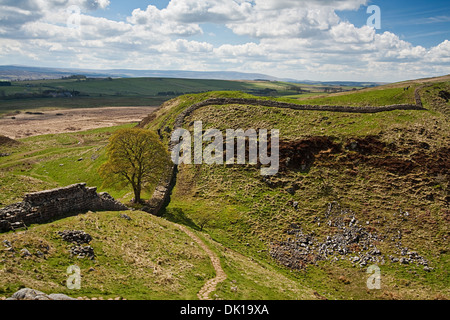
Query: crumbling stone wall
(46,206)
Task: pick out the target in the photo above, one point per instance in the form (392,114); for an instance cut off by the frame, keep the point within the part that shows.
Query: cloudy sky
(299,39)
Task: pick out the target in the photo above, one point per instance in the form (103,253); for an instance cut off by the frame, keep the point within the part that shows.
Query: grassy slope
(144,258)
(127,253)
(377,97)
(250,215)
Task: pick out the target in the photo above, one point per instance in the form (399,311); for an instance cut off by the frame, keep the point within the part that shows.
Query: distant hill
(13,73)
(37,73)
(344,83)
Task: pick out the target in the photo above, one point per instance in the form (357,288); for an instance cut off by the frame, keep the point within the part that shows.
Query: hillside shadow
(177,215)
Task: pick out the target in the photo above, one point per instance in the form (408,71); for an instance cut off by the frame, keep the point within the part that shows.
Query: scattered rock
(60,297)
(76,236)
(348,240)
(7,244)
(82,252)
(30,294)
(124,216)
(40,254)
(25,253)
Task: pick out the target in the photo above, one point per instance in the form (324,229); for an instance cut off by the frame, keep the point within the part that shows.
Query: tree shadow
(177,215)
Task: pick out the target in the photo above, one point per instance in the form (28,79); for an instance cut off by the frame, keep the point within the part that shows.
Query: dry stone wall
(50,205)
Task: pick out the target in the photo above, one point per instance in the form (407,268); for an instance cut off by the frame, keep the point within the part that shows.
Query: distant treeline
(173,93)
(44,94)
(5,84)
(75,77)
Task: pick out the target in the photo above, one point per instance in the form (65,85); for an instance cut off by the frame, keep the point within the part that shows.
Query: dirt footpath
(211,285)
(69,120)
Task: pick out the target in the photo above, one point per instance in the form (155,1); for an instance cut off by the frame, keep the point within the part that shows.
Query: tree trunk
(137,194)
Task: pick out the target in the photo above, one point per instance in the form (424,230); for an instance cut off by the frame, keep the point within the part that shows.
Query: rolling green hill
(98,92)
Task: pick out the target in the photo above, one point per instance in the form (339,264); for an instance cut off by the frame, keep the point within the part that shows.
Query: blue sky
(419,22)
(317,40)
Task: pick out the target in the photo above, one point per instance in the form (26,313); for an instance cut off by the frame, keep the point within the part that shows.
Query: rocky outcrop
(33,295)
(46,206)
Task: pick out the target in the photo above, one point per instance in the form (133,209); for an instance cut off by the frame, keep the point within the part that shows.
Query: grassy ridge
(372,97)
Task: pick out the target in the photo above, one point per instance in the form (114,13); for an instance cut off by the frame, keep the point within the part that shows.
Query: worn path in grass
(210,285)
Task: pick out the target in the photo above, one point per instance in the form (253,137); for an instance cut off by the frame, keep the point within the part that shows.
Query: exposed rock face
(46,206)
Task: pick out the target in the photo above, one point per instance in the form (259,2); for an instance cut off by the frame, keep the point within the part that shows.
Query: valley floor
(28,124)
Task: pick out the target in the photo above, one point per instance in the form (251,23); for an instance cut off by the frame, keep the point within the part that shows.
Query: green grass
(433,98)
(55,161)
(251,279)
(294,124)
(368,97)
(150,86)
(146,258)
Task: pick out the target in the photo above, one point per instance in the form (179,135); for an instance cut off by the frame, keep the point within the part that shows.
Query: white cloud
(290,4)
(290,38)
(182,46)
(286,23)
(441,53)
(346,32)
(202,11)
